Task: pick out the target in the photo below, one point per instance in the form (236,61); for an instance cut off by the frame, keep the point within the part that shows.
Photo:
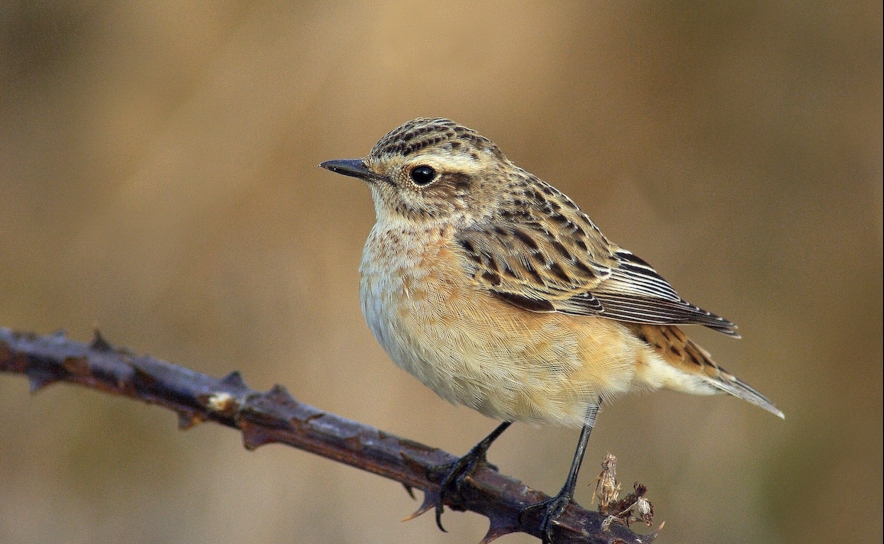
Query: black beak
(350,167)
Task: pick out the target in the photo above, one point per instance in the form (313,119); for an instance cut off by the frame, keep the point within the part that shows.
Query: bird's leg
(554,506)
(463,467)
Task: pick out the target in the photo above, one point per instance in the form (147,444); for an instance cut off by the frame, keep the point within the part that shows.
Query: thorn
(281,395)
(409,489)
(38,380)
(497,530)
(253,436)
(430,500)
(234,379)
(99,343)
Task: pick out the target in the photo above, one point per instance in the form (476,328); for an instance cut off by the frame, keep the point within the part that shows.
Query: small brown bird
(496,291)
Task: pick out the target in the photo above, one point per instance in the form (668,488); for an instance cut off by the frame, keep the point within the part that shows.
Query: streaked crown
(439,133)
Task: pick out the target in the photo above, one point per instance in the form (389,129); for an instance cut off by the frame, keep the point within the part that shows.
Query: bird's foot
(551,508)
(454,475)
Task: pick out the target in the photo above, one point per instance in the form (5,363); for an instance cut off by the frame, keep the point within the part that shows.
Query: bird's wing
(539,262)
(636,293)
(552,258)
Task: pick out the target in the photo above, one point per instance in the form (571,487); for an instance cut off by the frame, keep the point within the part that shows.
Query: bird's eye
(423,175)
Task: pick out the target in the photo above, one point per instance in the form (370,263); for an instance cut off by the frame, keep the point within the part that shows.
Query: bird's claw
(455,474)
(451,475)
(552,508)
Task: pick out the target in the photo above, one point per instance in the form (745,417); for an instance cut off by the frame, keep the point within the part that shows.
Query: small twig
(275,416)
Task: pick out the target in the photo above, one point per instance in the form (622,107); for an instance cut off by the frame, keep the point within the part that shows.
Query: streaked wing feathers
(637,294)
(571,268)
(661,312)
(539,250)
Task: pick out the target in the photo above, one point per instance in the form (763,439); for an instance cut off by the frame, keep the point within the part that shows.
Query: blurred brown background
(158,178)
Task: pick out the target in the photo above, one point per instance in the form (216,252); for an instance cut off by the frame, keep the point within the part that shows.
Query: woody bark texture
(276,417)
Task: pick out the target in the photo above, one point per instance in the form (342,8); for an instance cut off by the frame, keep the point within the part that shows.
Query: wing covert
(545,255)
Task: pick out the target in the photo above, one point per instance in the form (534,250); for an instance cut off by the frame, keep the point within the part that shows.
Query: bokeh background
(158,179)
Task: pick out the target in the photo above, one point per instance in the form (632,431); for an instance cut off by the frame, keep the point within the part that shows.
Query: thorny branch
(276,417)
